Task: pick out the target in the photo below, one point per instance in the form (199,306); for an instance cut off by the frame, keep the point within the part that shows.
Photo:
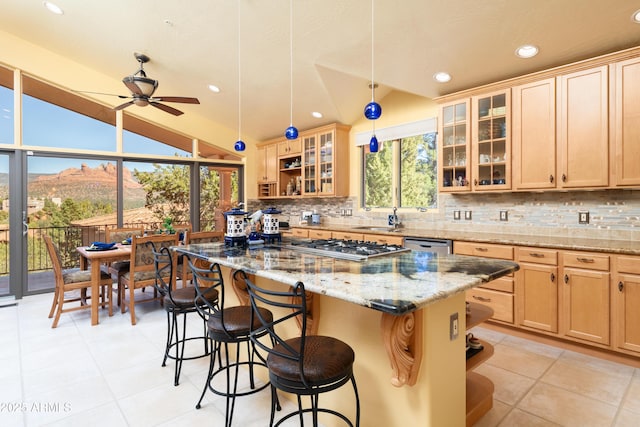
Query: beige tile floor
(540,385)
(106,375)
(110,375)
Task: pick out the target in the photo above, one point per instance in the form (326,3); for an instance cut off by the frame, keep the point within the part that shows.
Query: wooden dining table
(95,258)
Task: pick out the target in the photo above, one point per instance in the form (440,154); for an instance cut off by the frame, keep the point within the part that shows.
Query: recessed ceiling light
(214,88)
(317,114)
(526,51)
(442,77)
(635,17)
(53,8)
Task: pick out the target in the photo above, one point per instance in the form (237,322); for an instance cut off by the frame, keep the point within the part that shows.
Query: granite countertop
(394,284)
(558,241)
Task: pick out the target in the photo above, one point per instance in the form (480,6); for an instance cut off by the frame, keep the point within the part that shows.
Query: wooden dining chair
(73,279)
(142,269)
(118,268)
(184,272)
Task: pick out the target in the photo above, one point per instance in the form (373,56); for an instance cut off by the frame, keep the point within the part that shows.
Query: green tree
(378,169)
(418,171)
(167,191)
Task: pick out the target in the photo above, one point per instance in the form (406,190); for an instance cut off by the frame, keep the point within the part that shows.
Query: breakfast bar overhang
(395,311)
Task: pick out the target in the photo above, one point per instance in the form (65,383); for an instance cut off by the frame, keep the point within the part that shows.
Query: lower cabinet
(625,297)
(584,294)
(497,294)
(537,289)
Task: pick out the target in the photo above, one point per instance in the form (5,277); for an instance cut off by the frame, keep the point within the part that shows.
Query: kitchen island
(394,311)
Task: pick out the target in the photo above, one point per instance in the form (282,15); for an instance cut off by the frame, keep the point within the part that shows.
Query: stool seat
(326,359)
(237,323)
(183,298)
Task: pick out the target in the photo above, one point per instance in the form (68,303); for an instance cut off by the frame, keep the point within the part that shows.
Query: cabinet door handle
(551,179)
(620,286)
(566,278)
(536,255)
(564,178)
(475,182)
(483,299)
(586,260)
(482,249)
(553,277)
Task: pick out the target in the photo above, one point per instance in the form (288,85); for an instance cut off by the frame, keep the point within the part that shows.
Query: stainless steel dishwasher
(420,244)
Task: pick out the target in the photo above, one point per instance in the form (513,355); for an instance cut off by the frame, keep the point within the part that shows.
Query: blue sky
(47,125)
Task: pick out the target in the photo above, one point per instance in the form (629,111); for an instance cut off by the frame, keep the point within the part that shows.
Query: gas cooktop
(355,250)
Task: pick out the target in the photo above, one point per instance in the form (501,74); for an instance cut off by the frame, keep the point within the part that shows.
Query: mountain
(92,184)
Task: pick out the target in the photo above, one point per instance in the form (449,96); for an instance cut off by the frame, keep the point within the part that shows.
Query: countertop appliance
(354,250)
(420,244)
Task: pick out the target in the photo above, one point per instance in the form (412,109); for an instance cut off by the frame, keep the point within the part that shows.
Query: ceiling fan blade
(123,106)
(182,99)
(166,108)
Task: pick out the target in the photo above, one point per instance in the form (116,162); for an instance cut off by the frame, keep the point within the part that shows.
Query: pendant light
(373,110)
(239,145)
(292,131)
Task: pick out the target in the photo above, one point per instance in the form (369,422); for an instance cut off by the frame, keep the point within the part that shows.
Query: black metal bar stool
(227,325)
(308,365)
(178,302)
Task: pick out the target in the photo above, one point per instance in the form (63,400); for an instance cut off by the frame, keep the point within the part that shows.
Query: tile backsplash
(613,214)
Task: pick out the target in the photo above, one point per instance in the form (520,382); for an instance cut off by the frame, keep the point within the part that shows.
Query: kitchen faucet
(393,220)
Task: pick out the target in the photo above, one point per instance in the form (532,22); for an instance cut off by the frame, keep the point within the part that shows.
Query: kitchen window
(403,172)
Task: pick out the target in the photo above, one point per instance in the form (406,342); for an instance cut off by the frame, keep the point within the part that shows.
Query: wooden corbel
(402,336)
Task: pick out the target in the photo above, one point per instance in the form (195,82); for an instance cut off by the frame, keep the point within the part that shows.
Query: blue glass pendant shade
(291,132)
(373,144)
(239,145)
(373,111)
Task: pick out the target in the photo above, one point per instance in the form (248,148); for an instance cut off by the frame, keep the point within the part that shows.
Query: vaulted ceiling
(195,43)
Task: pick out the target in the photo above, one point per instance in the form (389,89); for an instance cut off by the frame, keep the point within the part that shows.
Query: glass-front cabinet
(491,142)
(454,155)
(324,150)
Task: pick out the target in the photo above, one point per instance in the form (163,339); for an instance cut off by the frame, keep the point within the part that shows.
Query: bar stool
(227,325)
(308,365)
(178,302)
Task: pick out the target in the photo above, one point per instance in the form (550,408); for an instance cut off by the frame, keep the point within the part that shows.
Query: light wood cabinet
(626,124)
(267,170)
(497,294)
(584,294)
(319,234)
(625,297)
(583,128)
(454,127)
(325,161)
(533,134)
(491,143)
(289,147)
(537,289)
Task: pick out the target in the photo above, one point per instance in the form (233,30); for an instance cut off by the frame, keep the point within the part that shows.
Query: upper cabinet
(583,128)
(315,164)
(533,134)
(572,127)
(626,123)
(455,131)
(491,157)
(325,161)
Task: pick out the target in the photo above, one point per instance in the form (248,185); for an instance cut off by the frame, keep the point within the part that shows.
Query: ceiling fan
(142,89)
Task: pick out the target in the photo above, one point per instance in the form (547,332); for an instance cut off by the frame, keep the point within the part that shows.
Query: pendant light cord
(373,84)
(291,62)
(239,81)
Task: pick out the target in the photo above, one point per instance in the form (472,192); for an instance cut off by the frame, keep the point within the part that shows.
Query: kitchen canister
(271,221)
(235,222)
